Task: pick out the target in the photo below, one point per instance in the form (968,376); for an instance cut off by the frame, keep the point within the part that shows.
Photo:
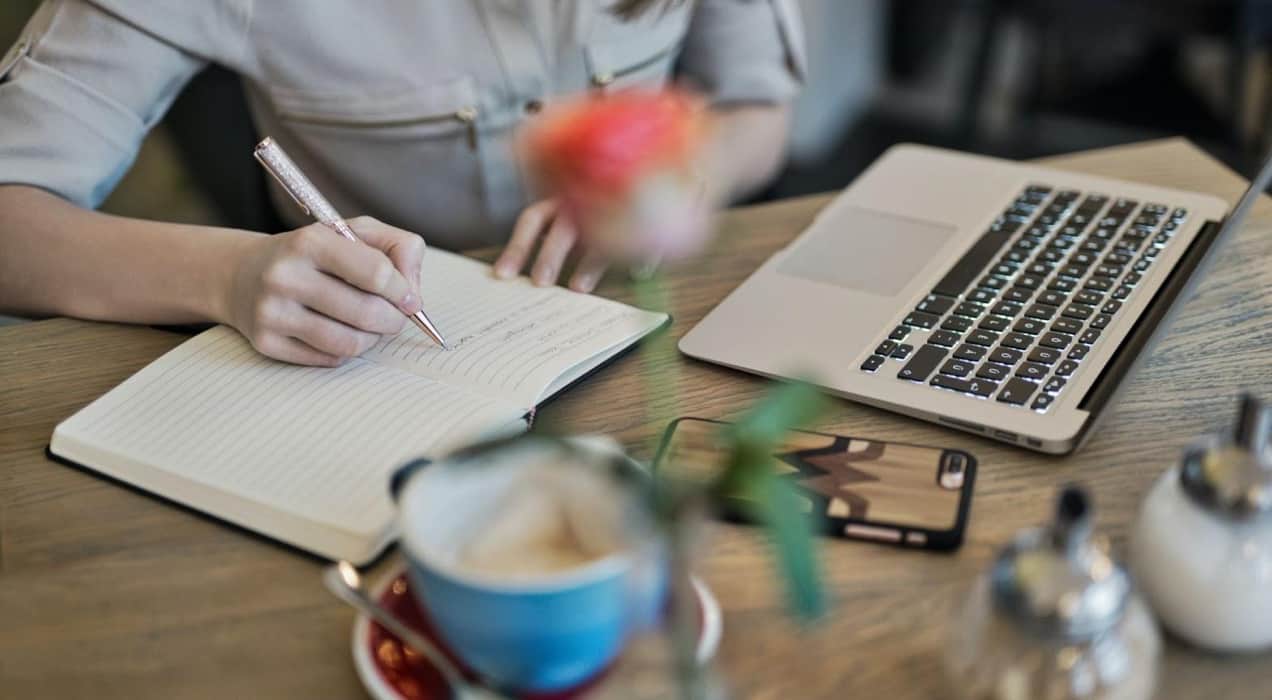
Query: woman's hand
(313,297)
(543,219)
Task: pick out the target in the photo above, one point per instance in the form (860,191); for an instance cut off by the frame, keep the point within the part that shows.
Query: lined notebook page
(316,443)
(508,339)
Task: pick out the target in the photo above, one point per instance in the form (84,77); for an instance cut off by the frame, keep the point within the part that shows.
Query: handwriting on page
(316,442)
(507,338)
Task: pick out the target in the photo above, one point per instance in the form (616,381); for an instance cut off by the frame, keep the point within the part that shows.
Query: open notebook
(303,455)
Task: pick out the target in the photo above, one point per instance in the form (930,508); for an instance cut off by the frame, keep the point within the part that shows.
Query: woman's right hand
(313,297)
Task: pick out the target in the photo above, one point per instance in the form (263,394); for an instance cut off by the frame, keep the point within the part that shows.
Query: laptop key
(1066,325)
(1054,385)
(981,336)
(1079,311)
(1005,308)
(971,353)
(995,323)
(1088,297)
(1117,259)
(1046,356)
(1058,341)
(922,364)
(919,319)
(1098,284)
(1066,368)
(886,347)
(1061,284)
(1152,252)
(1132,278)
(958,324)
(1042,402)
(1018,341)
(1077,352)
(1017,294)
(957,368)
(1032,326)
(903,351)
(1111,307)
(936,305)
(1017,391)
(982,387)
(947,382)
(980,295)
(1043,312)
(1004,269)
(1051,298)
(1090,336)
(1101,321)
(1143,265)
(899,333)
(946,338)
(1123,291)
(1005,356)
(993,282)
(1029,281)
(872,363)
(993,372)
(1029,370)
(969,309)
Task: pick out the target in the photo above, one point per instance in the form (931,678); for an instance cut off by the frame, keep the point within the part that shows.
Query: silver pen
(311,200)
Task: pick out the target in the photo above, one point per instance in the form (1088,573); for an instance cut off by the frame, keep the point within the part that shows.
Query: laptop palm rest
(867,251)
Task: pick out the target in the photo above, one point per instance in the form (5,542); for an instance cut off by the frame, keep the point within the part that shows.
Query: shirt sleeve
(745,51)
(78,93)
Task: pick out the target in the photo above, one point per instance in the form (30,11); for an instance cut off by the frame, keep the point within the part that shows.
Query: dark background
(1013,78)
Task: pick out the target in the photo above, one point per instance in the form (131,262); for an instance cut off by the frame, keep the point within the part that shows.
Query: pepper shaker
(1202,544)
(1055,617)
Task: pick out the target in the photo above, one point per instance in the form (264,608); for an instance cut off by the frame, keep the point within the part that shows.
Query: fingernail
(544,276)
(410,303)
(584,283)
(504,271)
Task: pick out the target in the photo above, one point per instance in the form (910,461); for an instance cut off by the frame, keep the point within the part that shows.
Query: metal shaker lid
(1056,580)
(1233,476)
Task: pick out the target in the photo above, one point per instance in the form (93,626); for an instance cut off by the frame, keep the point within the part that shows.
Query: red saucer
(393,671)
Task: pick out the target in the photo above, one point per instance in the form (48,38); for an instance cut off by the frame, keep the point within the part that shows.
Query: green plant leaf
(749,473)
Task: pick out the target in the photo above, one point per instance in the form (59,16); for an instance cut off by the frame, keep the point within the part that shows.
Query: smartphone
(892,493)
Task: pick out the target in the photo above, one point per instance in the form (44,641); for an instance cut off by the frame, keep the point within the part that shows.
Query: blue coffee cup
(532,631)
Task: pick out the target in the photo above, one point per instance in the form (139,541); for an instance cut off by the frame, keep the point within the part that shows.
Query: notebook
(303,455)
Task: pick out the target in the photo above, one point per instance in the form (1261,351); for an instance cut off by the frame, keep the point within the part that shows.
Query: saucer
(389,671)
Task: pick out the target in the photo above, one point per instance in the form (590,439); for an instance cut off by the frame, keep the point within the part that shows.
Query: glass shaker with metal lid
(1202,545)
(1054,618)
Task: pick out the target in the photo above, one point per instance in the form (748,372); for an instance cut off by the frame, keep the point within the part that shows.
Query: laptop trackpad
(866,250)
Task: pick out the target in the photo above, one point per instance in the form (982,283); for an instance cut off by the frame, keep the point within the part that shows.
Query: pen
(307,196)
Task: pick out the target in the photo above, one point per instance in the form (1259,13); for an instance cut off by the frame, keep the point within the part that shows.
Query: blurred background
(1012,78)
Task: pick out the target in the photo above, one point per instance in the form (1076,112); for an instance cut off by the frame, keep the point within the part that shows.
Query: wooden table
(106,592)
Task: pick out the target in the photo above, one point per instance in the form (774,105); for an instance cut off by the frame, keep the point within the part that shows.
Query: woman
(401,110)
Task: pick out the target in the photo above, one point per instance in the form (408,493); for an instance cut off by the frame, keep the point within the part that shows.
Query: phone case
(905,495)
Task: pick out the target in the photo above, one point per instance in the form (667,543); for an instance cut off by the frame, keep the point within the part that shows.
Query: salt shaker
(1202,545)
(1054,618)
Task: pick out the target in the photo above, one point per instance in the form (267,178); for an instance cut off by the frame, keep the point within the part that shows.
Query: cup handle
(403,473)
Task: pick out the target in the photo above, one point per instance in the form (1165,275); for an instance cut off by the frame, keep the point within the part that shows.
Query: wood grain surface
(107,592)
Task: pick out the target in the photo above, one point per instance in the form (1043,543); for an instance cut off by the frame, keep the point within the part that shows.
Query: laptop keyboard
(1013,320)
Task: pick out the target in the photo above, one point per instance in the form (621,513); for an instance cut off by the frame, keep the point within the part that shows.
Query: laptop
(1000,298)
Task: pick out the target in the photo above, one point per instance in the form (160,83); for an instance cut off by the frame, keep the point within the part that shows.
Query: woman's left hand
(544,219)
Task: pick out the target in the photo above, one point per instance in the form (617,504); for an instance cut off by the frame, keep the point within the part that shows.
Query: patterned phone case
(906,495)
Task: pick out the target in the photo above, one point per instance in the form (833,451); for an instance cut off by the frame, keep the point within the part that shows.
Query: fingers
(325,335)
(588,272)
(530,225)
(404,248)
(362,266)
(552,254)
(281,347)
(348,305)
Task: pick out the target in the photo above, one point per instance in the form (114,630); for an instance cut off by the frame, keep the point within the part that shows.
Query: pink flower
(623,168)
